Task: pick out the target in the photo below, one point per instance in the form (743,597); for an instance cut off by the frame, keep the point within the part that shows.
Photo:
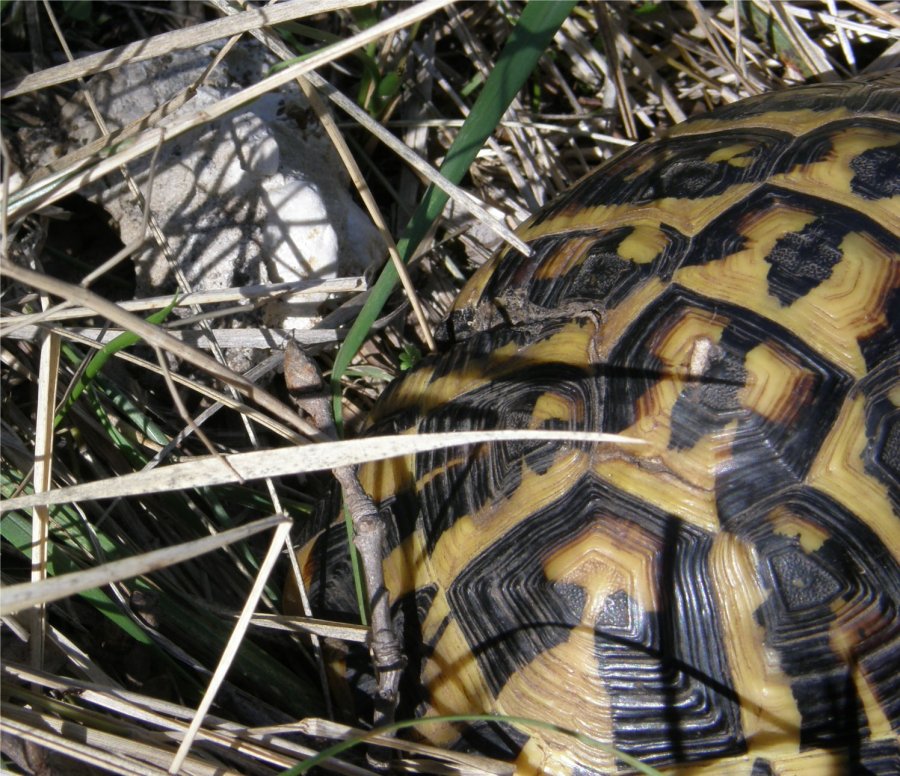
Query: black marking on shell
(493,739)
(883,345)
(849,582)
(331,591)
(465,480)
(665,166)
(882,418)
(762,767)
(767,455)
(409,612)
(801,261)
(830,222)
(888,446)
(665,671)
(712,402)
(877,173)
(598,281)
(876,758)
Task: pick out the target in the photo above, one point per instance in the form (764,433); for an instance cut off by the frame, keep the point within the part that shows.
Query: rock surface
(258,196)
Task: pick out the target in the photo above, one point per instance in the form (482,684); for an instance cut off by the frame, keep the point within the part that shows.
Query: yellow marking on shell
(833,316)
(737,155)
(810,536)
(740,278)
(457,545)
(681,482)
(449,464)
(769,714)
(831,177)
(810,762)
(473,290)
(381,479)
(777,387)
(843,641)
(643,245)
(407,393)
(552,406)
(454,682)
(677,345)
(292,603)
(741,765)
(405,569)
(687,216)
(425,397)
(817,762)
(572,345)
(455,549)
(562,686)
(617,320)
(677,480)
(609,556)
(839,470)
(565,258)
(853,303)
(451,675)
(527,763)
(894,395)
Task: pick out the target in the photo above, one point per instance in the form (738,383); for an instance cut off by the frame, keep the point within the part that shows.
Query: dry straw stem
(279,539)
(248,337)
(357,634)
(469,763)
(22,201)
(23,596)
(42,480)
(292,291)
(136,713)
(158,337)
(120,754)
(208,471)
(352,109)
(177,40)
(199,34)
(18,597)
(885,16)
(94,339)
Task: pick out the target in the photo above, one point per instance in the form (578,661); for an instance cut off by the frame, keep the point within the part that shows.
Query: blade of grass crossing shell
(529,39)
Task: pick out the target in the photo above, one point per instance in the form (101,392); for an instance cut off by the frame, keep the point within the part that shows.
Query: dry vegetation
(114,671)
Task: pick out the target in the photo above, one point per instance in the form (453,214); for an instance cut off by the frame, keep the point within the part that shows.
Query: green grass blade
(99,359)
(16,529)
(529,39)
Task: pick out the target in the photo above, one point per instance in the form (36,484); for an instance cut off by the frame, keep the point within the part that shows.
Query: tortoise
(723,599)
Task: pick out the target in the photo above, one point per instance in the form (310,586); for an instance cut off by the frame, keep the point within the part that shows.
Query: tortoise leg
(305,384)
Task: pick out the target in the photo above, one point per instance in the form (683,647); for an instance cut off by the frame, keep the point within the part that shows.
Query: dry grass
(120,677)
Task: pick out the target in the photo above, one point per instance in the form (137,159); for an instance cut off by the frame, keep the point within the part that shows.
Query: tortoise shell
(723,599)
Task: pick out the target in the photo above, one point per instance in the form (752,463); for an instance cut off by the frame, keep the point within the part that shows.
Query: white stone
(249,198)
